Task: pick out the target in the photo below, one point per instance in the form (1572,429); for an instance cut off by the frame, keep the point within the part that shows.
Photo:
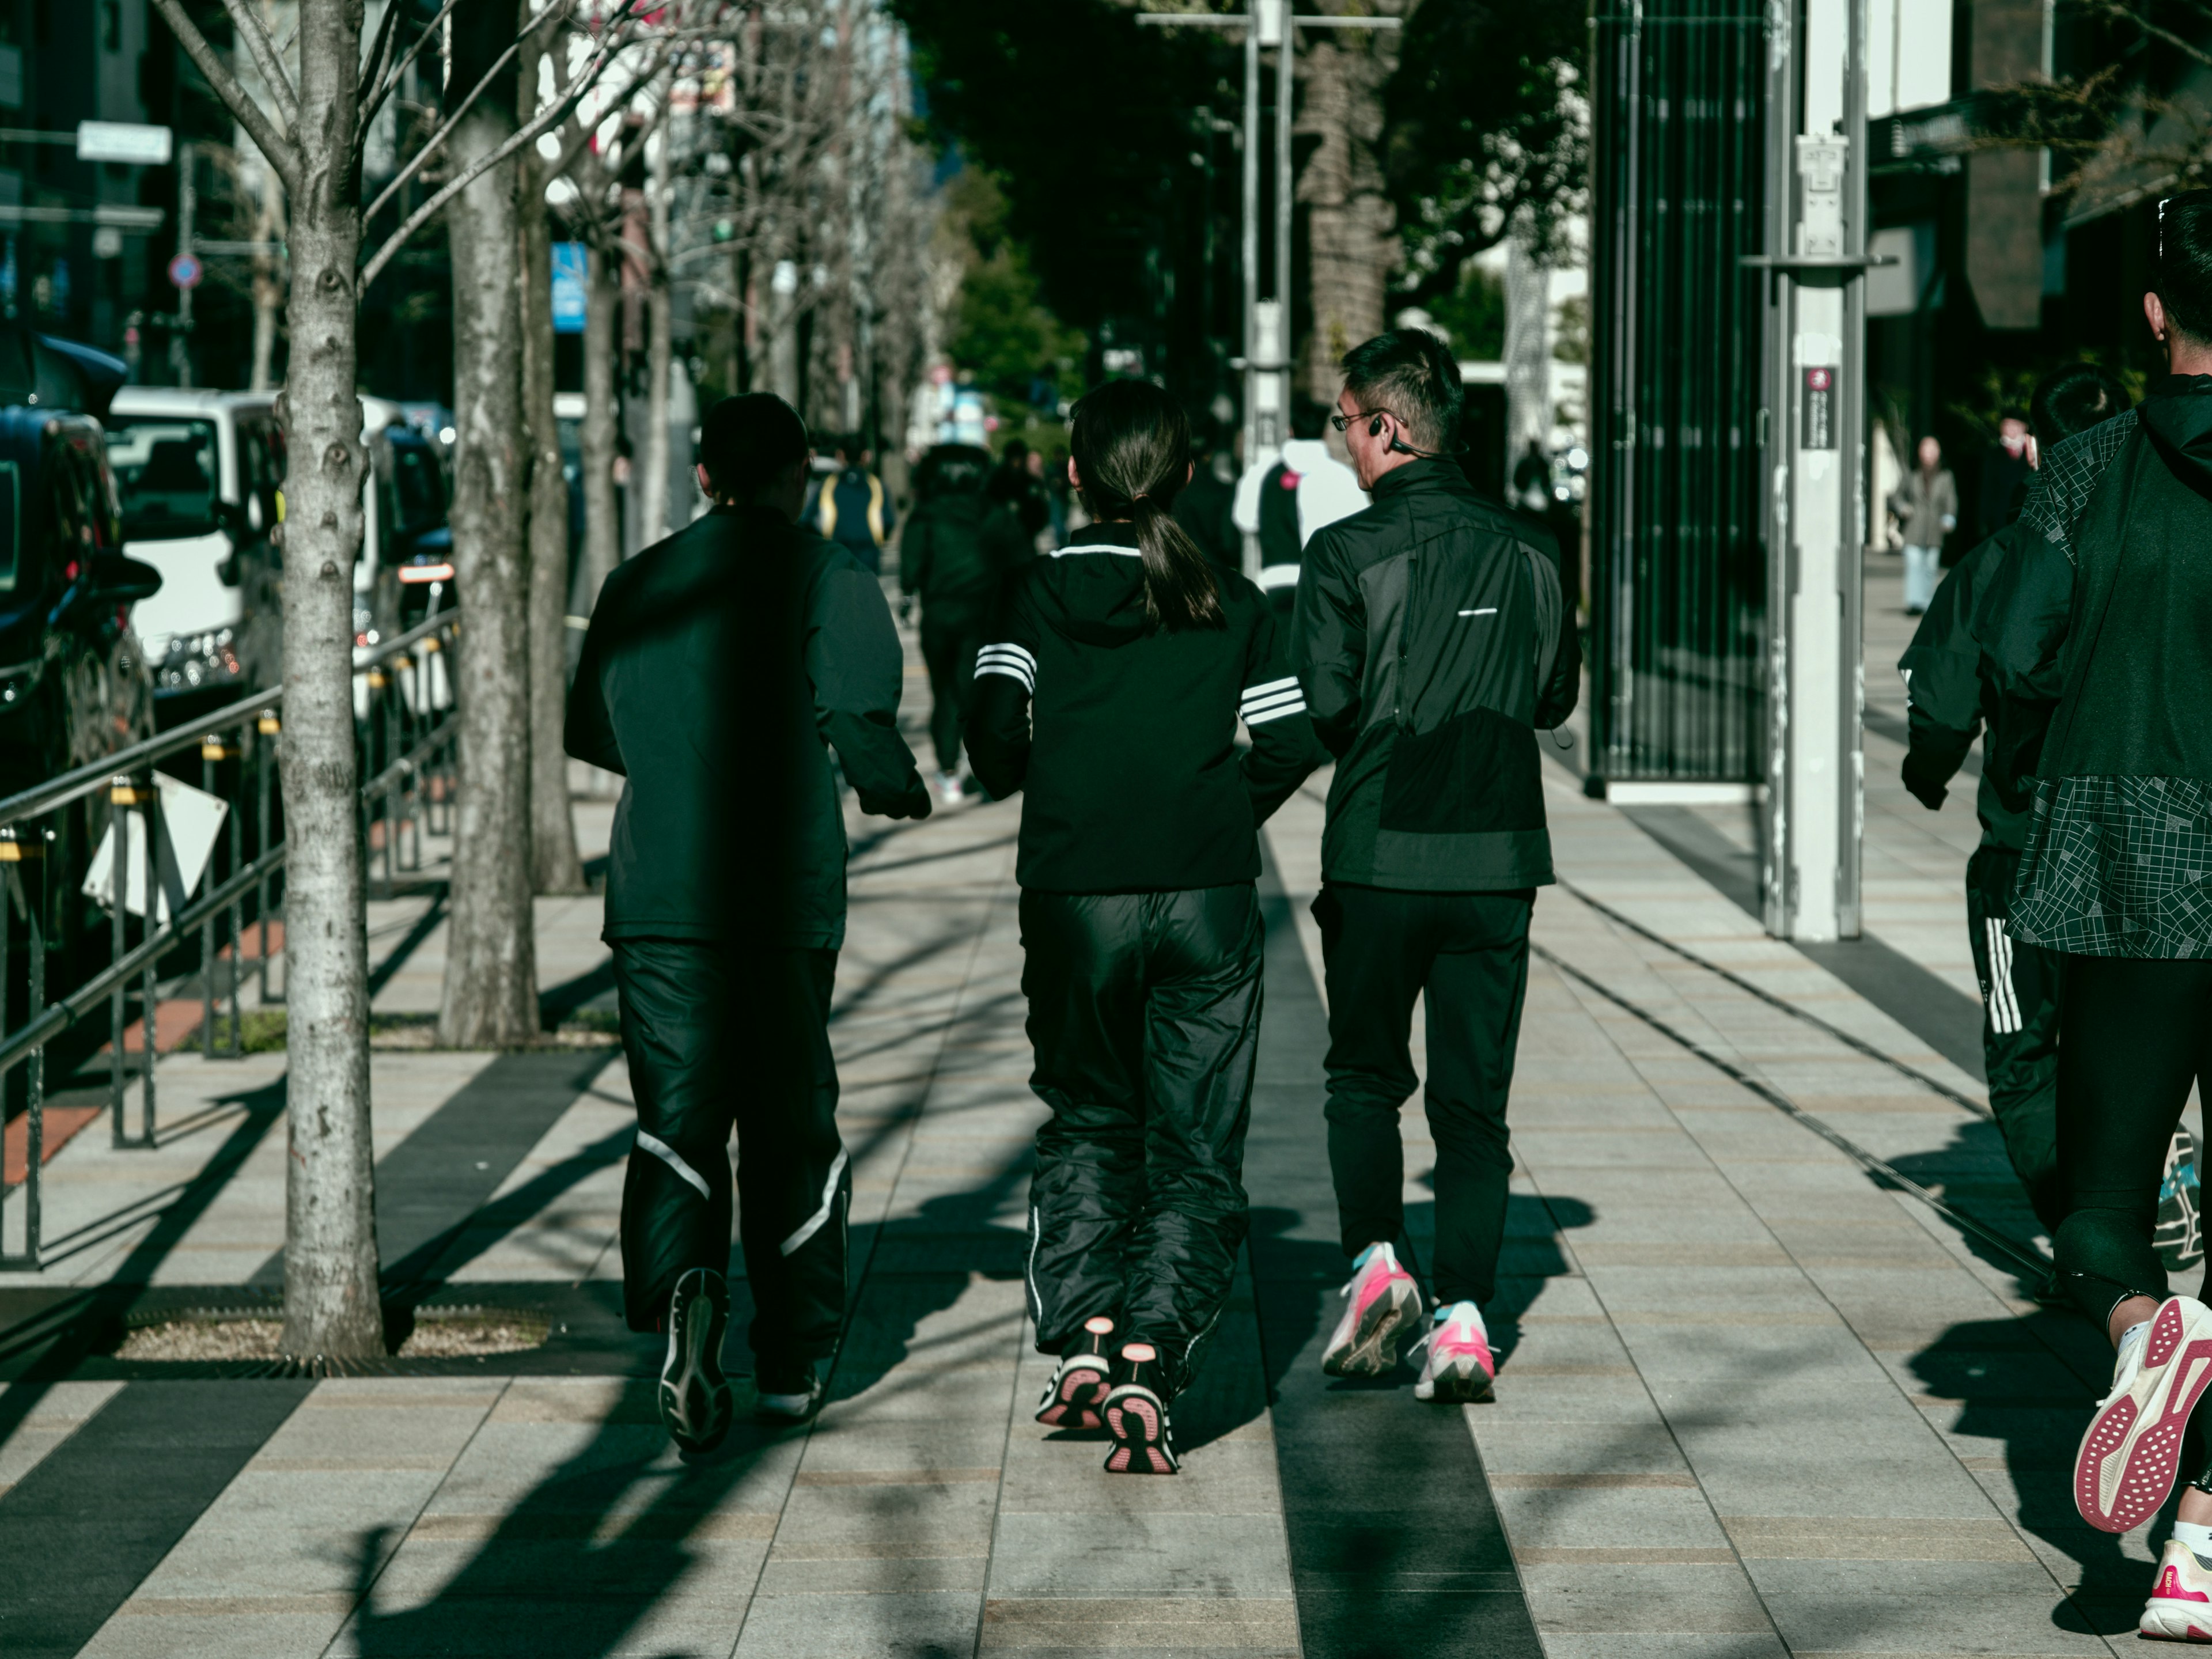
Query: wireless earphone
(1375,428)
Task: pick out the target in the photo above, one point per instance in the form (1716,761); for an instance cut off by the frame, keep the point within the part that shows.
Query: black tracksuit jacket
(1433,645)
(1141,925)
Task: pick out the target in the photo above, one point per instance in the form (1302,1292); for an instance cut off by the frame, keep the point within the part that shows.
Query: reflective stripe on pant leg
(2004,1004)
(812,1224)
(667,1154)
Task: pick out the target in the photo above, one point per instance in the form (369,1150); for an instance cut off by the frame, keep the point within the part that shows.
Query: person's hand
(1920,780)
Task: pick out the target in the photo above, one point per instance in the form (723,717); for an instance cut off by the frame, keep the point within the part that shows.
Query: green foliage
(1571,329)
(1486,129)
(1003,332)
(1473,315)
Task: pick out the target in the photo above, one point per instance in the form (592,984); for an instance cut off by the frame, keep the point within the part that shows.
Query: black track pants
(952,632)
(1469,953)
(1144,1016)
(723,1034)
(2133,1036)
(2021,986)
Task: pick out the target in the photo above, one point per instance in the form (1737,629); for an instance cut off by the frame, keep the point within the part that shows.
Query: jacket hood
(2177,417)
(1093,589)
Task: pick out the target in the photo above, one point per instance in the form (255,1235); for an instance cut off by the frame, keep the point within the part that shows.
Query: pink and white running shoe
(2180,1608)
(2126,1465)
(1459,1366)
(1078,1382)
(1385,1314)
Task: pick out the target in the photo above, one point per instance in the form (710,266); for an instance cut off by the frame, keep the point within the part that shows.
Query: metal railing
(404,741)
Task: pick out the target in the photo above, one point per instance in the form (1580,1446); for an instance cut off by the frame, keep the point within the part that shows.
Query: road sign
(185,272)
(128,142)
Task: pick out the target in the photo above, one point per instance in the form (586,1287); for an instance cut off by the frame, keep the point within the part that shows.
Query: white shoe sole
(1374,1343)
(2132,1448)
(2165,1621)
(1459,1382)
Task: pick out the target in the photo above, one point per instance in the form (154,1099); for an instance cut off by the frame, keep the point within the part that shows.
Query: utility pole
(180,340)
(1268,25)
(1814,426)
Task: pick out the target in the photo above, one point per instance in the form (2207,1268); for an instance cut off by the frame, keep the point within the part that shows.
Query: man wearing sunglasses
(1433,645)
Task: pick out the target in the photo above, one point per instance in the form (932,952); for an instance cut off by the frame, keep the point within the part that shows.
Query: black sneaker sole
(1139,1422)
(694,1395)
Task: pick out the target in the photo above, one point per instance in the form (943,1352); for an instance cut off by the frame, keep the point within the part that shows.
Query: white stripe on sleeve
(1259,712)
(1009,659)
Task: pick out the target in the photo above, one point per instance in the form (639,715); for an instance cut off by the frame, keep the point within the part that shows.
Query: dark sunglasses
(1341,421)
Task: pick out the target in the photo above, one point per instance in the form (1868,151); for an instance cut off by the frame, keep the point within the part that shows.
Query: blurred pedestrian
(1285,503)
(1926,506)
(1532,480)
(850,507)
(1203,508)
(2108,597)
(1432,645)
(721,667)
(1018,484)
(1112,695)
(2005,472)
(955,555)
(1952,689)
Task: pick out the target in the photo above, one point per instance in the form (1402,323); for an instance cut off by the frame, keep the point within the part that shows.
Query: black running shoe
(790,1393)
(1079,1385)
(1136,1413)
(695,1395)
(2180,1238)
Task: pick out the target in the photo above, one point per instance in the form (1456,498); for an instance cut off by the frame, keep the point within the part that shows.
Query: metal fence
(148,867)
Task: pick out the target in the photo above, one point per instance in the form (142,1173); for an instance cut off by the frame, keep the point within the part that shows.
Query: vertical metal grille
(1677,580)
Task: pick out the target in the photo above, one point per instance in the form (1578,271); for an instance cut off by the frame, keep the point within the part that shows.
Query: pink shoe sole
(1139,1425)
(1075,1406)
(2131,1451)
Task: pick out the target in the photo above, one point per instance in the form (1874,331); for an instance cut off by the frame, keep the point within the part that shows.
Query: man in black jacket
(718,664)
(1433,646)
(1952,694)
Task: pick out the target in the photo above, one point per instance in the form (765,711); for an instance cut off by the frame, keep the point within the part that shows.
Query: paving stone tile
(1711,1600)
(905,1625)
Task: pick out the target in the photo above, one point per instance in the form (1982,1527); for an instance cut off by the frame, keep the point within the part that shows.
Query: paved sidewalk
(1754,1401)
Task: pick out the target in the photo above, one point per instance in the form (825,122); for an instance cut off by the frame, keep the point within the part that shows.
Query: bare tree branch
(276,149)
(549,116)
(263,51)
(392,75)
(373,69)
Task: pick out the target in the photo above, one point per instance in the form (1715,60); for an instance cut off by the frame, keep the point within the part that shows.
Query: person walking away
(1532,480)
(1112,697)
(1953,695)
(850,507)
(955,555)
(2109,590)
(721,667)
(1285,503)
(2006,470)
(1432,645)
(1015,485)
(1926,506)
(1204,505)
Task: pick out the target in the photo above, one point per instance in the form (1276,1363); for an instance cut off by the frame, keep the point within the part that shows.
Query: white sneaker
(1458,1366)
(948,788)
(2132,1448)
(2180,1608)
(1386,1308)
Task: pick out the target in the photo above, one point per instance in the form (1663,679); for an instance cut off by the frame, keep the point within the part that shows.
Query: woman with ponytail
(1112,697)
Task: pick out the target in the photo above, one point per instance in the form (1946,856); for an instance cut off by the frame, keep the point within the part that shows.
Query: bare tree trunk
(330,1303)
(267,280)
(491,977)
(652,465)
(602,426)
(1353,246)
(554,867)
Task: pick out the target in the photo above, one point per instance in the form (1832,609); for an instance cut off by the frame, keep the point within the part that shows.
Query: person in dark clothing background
(2108,595)
(2006,470)
(1953,695)
(1203,508)
(1015,483)
(721,667)
(1111,695)
(955,555)
(851,508)
(1432,645)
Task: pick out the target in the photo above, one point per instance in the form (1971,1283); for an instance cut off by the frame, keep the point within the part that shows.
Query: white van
(200,474)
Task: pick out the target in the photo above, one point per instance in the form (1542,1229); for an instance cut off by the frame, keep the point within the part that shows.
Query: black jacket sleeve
(998,706)
(1944,684)
(588,735)
(914,552)
(1285,749)
(1330,642)
(856,668)
(1558,647)
(2023,609)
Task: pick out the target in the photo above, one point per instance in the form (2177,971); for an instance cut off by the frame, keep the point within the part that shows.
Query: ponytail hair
(1130,442)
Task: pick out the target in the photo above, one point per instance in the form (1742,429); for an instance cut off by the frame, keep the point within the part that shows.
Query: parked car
(202,477)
